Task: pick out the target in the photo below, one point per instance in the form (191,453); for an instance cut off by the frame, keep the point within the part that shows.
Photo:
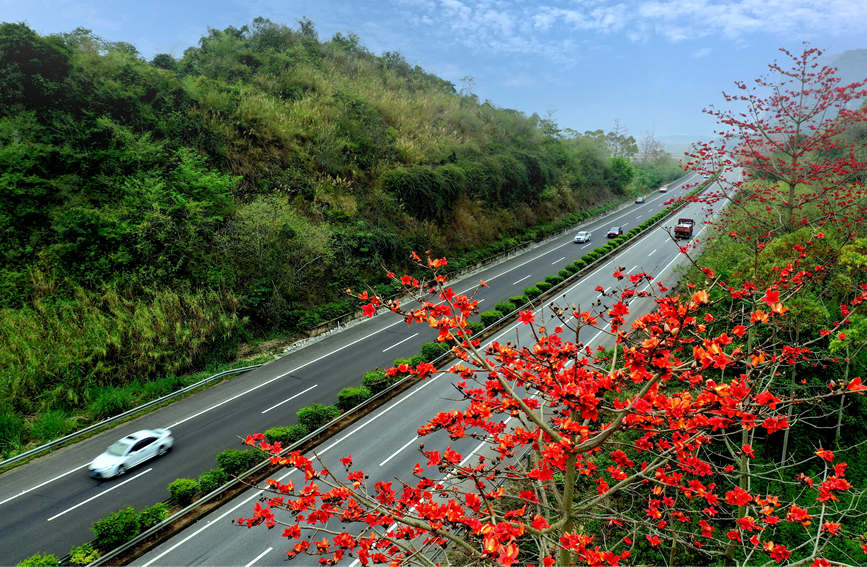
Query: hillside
(154,214)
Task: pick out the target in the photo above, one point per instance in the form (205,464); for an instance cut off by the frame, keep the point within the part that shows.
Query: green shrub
(154,389)
(431,351)
(183,490)
(348,398)
(554,280)
(518,300)
(11,432)
(316,415)
(116,528)
(544,286)
(475,326)
(154,514)
(375,381)
(566,272)
(40,560)
(490,317)
(109,402)
(83,554)
(215,478)
(286,435)
(50,425)
(532,292)
(415,360)
(236,461)
(505,307)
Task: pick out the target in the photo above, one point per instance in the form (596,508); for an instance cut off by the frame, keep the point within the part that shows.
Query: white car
(663,189)
(583,236)
(130,451)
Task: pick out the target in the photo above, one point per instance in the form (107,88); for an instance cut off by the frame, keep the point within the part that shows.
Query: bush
(554,280)
(110,402)
(578,265)
(116,528)
(475,326)
(50,425)
(154,514)
(183,490)
(83,554)
(505,307)
(286,435)
(236,461)
(315,416)
(544,286)
(348,398)
(431,351)
(532,292)
(215,478)
(566,272)
(415,360)
(375,381)
(11,433)
(490,317)
(40,560)
(518,300)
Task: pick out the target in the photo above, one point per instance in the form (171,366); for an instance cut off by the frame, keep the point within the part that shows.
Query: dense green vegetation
(154,214)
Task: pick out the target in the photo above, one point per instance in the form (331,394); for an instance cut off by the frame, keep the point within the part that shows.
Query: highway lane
(50,503)
(384,444)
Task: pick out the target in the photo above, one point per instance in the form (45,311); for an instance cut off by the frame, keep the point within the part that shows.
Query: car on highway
(663,189)
(130,451)
(639,200)
(615,231)
(581,237)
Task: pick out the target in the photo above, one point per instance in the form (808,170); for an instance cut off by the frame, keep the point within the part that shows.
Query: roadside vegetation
(155,215)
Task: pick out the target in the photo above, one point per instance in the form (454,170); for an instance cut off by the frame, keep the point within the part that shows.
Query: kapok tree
(787,130)
(592,457)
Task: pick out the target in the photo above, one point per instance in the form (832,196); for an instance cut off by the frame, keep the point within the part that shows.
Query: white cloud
(519,26)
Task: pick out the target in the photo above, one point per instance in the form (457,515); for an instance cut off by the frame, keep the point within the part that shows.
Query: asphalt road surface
(384,443)
(50,503)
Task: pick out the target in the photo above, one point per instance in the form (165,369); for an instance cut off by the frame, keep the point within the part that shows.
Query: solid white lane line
(393,455)
(297,368)
(40,485)
(558,261)
(399,343)
(104,492)
(522,279)
(258,557)
(290,399)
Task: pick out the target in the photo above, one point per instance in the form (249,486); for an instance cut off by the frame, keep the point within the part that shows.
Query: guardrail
(58,442)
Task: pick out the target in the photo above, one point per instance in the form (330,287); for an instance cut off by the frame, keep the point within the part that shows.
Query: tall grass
(56,351)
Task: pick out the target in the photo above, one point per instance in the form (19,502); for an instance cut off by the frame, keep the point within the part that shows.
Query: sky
(649,65)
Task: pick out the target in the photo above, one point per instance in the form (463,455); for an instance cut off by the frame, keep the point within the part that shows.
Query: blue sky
(650,64)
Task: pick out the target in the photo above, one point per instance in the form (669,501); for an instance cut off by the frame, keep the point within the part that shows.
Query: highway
(384,444)
(50,503)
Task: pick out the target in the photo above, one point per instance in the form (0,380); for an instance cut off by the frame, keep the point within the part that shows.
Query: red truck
(684,227)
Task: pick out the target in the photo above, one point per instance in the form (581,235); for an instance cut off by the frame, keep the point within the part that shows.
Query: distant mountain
(851,65)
